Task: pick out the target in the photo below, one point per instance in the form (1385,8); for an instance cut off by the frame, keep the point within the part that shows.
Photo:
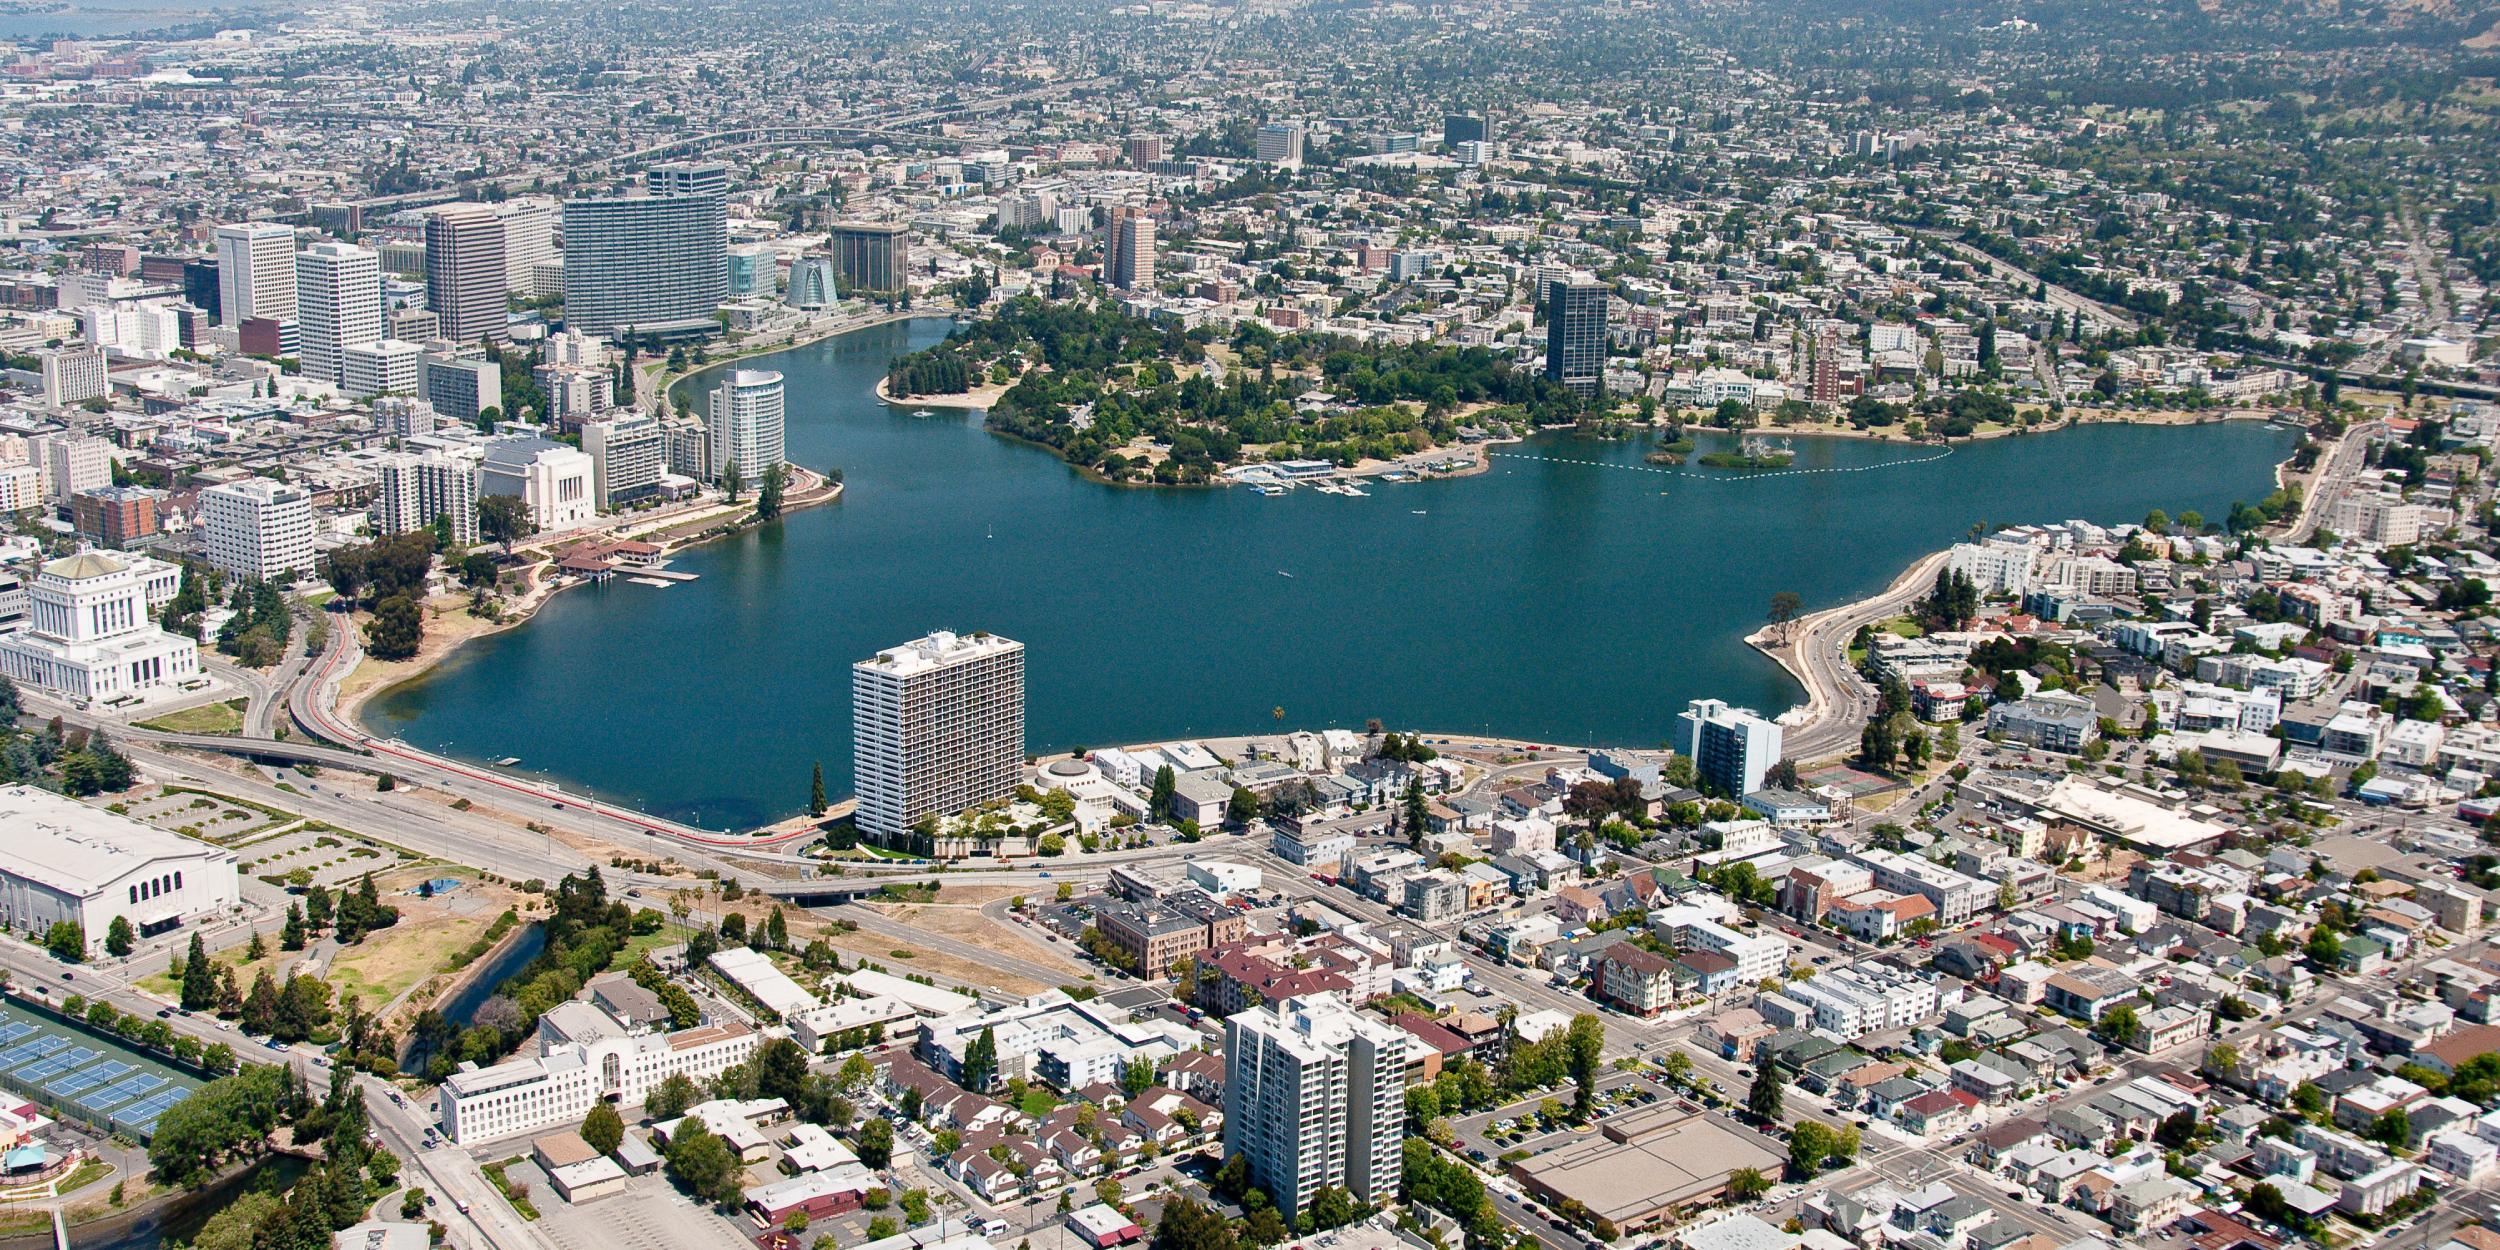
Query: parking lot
(1487,1135)
(308,857)
(203,816)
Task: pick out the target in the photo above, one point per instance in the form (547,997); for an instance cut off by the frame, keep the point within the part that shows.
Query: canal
(1572,594)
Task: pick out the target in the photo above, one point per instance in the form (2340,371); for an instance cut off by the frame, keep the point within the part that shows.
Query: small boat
(1421,512)
(507,761)
(1282,573)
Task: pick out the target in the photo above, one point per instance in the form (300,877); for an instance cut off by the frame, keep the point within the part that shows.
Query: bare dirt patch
(964,921)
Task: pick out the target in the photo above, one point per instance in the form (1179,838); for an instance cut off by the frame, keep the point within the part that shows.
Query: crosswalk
(1736,475)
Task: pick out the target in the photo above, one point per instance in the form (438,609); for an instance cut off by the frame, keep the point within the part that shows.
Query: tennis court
(84,1077)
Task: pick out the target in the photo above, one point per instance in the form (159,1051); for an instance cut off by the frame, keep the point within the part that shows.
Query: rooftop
(71,847)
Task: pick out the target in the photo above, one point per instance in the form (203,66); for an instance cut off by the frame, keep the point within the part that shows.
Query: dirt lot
(946,968)
(963,921)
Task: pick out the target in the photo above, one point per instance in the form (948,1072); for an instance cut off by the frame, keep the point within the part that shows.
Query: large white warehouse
(63,860)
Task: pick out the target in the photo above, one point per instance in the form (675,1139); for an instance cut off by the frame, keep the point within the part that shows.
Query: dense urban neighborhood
(2087,407)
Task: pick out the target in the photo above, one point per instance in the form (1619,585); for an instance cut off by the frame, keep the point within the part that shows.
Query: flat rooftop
(77,849)
(938,650)
(1666,1157)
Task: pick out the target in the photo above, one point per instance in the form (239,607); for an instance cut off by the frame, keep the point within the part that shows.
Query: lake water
(1572,594)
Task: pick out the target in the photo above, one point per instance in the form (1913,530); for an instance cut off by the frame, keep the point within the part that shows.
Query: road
(2336,471)
(2059,297)
(1838,701)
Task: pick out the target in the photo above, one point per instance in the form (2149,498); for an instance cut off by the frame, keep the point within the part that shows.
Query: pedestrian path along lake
(1554,597)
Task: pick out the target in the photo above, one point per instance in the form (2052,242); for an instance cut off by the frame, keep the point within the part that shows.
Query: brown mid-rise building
(115,516)
(1162,932)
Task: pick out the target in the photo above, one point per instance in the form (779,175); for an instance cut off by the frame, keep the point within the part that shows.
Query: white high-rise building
(72,463)
(937,726)
(133,331)
(21,490)
(404,417)
(382,367)
(529,239)
(1132,254)
(338,304)
(417,490)
(74,375)
(90,633)
(1733,748)
(1280,143)
(1315,1095)
(258,528)
(746,423)
(627,454)
(255,272)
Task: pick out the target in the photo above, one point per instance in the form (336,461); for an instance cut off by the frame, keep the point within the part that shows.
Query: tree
(702,1165)
(604,1129)
(395,630)
(1585,1044)
(1809,1144)
(199,977)
(66,941)
(1166,789)
(1243,807)
(225,1118)
(1330,1207)
(670,1098)
(781,1070)
(980,1065)
(1186,1225)
(505,520)
(816,804)
(1766,1099)
(1783,614)
(876,1143)
(768,494)
(2119,1024)
(119,938)
(1747,1184)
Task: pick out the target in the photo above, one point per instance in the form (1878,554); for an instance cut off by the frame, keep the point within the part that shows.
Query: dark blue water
(1550,600)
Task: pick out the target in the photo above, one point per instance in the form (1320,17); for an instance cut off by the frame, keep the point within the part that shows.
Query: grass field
(208,718)
(383,966)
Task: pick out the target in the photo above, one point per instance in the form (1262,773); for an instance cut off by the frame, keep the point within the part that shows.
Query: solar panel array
(87,1078)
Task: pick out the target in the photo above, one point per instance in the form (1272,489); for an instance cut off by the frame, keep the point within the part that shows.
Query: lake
(1571,594)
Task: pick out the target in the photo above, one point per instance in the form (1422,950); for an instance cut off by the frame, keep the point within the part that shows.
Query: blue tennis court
(100,1080)
(141,1116)
(88,1078)
(124,1090)
(32,1049)
(66,1061)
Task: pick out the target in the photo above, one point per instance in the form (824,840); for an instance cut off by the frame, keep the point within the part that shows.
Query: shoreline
(1819,702)
(662,383)
(350,707)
